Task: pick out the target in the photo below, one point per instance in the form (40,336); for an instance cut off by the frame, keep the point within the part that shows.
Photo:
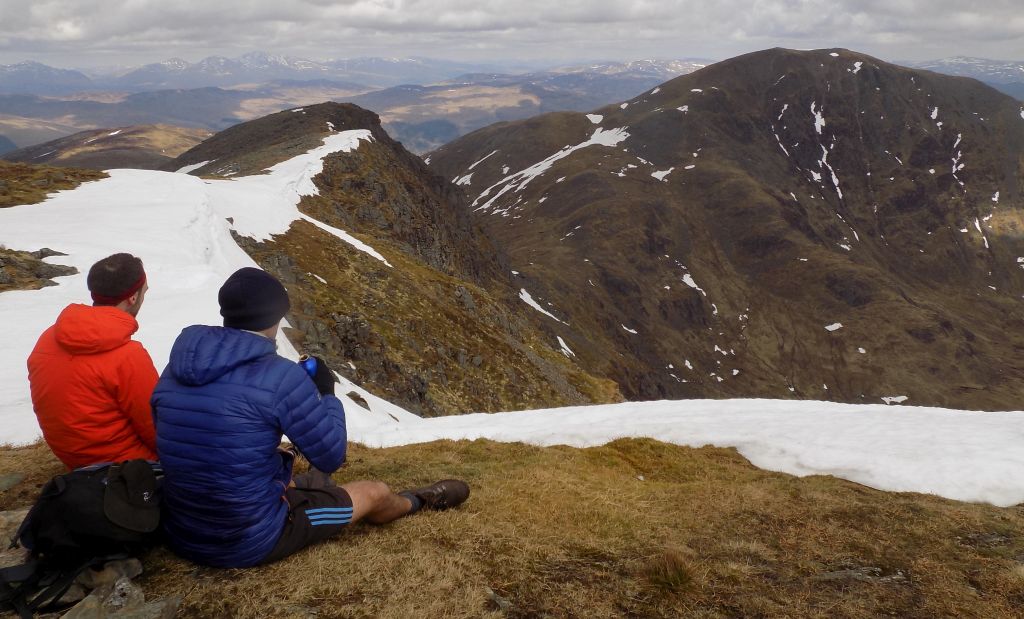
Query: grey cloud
(155,29)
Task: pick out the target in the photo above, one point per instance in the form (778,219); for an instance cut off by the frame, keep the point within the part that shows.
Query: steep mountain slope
(439,328)
(793,224)
(143,146)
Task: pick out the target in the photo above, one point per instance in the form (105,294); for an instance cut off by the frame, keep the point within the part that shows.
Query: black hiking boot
(444,494)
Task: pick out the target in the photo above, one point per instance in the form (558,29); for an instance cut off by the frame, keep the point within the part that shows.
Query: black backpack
(81,519)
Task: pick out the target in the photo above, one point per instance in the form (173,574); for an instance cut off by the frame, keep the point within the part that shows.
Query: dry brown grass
(568,532)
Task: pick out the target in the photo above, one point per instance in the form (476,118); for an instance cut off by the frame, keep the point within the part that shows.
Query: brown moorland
(635,528)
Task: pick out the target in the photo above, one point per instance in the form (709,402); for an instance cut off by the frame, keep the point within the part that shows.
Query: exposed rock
(46,252)
(166,608)
(861,574)
(20,270)
(123,594)
(985,540)
(89,608)
(10,521)
(10,480)
(75,593)
(503,604)
(465,298)
(11,556)
(110,573)
(358,399)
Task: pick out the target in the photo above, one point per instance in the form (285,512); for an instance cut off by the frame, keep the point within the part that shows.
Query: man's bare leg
(374,502)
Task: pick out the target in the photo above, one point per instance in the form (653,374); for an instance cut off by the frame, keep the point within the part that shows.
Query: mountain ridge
(703,168)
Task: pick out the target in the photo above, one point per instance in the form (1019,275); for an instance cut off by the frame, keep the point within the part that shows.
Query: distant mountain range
(422,117)
(984,69)
(251,69)
(1003,75)
(260,68)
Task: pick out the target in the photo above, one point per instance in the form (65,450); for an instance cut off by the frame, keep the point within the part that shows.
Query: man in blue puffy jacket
(221,407)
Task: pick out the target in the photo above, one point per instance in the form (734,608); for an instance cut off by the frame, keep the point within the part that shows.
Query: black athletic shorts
(317,509)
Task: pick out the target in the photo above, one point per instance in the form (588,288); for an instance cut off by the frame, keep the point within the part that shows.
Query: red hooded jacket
(91,385)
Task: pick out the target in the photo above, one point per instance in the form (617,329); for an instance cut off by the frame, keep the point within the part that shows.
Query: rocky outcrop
(20,270)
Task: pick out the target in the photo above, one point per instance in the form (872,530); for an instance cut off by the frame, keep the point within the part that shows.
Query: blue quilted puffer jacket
(220,408)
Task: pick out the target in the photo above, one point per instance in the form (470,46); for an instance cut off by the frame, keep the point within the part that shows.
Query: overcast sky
(88,33)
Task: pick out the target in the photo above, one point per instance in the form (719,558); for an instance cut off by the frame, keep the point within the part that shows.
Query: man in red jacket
(91,382)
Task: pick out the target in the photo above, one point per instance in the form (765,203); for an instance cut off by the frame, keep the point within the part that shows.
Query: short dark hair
(115,278)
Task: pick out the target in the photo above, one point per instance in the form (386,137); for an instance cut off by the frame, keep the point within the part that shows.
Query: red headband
(105,300)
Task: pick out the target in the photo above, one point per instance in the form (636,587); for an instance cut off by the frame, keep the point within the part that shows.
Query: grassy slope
(576,532)
(22,183)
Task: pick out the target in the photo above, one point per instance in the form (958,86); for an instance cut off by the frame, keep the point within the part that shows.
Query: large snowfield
(178,224)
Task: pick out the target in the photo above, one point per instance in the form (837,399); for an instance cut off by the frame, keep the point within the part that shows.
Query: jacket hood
(203,354)
(87,330)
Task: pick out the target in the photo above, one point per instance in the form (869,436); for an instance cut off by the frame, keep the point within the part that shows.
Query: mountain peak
(826,192)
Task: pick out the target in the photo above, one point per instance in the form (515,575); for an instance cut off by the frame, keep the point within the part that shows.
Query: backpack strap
(39,587)
(14,597)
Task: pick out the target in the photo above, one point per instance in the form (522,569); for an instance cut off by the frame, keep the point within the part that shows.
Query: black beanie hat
(253,300)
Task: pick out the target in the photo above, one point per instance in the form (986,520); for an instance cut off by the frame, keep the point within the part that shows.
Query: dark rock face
(731,215)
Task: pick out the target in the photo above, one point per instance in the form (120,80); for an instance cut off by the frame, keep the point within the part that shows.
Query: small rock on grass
(9,523)
(504,605)
(112,571)
(10,480)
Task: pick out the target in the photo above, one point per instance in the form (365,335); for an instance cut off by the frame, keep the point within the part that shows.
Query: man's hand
(324,377)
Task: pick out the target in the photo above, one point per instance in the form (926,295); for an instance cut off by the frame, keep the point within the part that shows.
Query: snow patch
(565,347)
(519,180)
(857,67)
(897,399)
(529,300)
(689,281)
(628,330)
(192,167)
(834,326)
(963,455)
(819,118)
(595,118)
(470,169)
(661,174)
